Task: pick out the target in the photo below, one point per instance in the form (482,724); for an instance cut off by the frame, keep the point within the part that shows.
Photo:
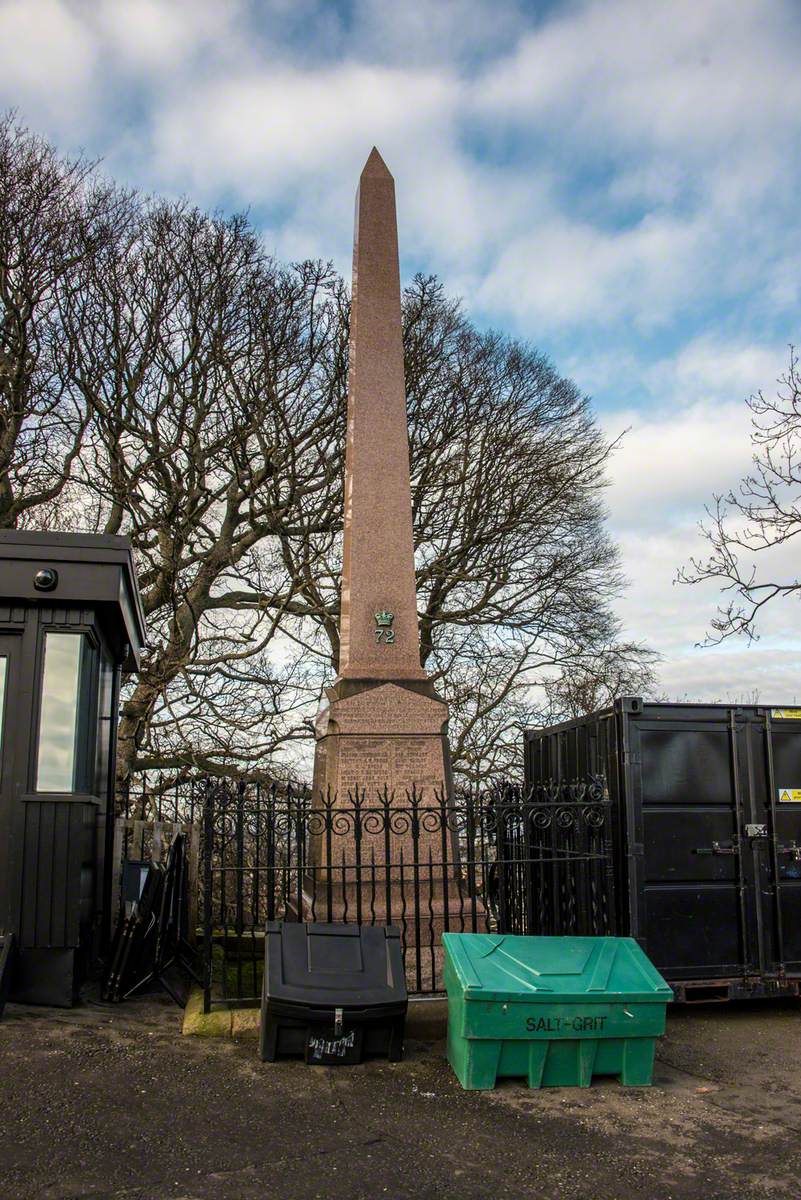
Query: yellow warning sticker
(786,714)
(790,795)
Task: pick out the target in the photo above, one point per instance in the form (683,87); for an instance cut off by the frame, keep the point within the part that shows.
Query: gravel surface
(109,1102)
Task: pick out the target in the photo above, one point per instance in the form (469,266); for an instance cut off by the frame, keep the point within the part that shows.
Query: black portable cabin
(706,806)
(70,621)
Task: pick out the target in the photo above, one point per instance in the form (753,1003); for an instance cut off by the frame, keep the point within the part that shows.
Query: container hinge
(337,1022)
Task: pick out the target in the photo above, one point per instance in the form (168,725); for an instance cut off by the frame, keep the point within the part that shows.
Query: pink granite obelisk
(383,724)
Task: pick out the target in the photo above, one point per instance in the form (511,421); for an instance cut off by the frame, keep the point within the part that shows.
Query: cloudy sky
(615,181)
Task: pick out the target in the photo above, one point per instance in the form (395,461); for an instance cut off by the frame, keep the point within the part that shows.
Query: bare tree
(596,679)
(747,529)
(55,215)
(206,368)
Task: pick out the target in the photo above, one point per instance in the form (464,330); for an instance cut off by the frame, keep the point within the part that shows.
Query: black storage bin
(706,808)
(332,993)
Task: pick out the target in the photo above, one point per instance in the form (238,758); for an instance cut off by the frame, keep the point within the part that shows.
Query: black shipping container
(707,835)
(333,993)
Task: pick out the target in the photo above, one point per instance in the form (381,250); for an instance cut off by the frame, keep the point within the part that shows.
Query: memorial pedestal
(374,734)
(382,779)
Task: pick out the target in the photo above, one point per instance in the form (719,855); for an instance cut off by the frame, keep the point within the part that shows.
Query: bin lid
(499,966)
(313,965)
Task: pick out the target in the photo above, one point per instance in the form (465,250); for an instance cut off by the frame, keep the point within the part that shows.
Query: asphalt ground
(111,1102)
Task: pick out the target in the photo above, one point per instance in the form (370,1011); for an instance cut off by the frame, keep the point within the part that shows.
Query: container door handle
(719,848)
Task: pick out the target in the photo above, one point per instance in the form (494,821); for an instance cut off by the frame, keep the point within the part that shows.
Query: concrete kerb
(216,1023)
(426,1019)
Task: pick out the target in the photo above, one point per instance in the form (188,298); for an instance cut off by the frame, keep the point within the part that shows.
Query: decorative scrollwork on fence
(540,818)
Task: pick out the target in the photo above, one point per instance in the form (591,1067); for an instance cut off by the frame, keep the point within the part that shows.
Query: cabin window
(67,722)
(3,672)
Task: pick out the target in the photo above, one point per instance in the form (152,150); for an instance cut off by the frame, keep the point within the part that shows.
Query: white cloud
(709,367)
(430,31)
(273,129)
(684,114)
(562,271)
(158,35)
(46,57)
(671,462)
(673,618)
(748,674)
(692,439)
(690,112)
(678,74)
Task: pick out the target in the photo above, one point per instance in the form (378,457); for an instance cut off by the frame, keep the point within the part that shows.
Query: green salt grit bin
(555,1010)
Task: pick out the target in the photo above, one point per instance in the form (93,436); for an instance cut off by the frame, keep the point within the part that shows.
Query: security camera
(45,580)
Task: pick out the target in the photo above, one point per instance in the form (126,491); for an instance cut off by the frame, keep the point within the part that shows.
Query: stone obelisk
(383,724)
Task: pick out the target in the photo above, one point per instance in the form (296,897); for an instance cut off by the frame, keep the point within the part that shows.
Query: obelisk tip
(375,165)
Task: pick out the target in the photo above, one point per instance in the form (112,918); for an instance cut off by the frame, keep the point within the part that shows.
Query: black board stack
(150,946)
(6,962)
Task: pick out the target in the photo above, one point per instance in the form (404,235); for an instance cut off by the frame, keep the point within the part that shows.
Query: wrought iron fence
(507,859)
(152,797)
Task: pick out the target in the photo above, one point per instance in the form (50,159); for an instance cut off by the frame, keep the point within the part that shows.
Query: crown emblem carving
(384,619)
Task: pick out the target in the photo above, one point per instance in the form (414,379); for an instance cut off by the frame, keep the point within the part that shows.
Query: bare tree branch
(746,529)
